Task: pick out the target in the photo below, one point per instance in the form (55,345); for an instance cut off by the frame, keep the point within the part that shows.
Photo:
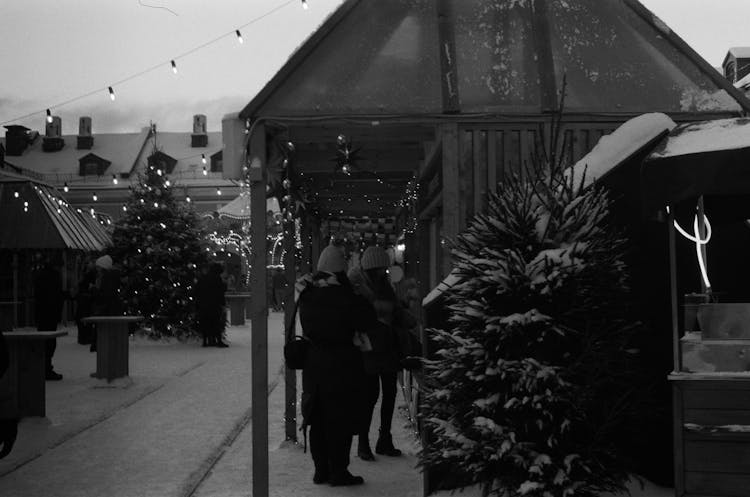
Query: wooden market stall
(36,221)
(395,119)
(698,181)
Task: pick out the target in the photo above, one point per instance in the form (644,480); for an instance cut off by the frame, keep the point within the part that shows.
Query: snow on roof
(189,161)
(740,52)
(122,149)
(706,136)
(743,83)
(450,280)
(622,143)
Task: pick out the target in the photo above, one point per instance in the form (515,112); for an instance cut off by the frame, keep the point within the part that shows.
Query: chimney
(233,137)
(53,140)
(85,140)
(199,138)
(16,139)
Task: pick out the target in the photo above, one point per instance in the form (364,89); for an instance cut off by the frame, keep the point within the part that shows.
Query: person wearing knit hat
(332,260)
(383,362)
(333,401)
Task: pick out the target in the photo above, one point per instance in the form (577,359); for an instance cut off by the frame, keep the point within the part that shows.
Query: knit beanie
(332,260)
(375,257)
(104,262)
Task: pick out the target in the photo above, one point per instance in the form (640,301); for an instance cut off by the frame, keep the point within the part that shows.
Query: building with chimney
(95,170)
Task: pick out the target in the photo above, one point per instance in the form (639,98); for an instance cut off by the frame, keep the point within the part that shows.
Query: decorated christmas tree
(530,384)
(158,244)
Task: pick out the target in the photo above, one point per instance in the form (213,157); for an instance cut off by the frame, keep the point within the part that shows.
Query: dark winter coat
(106,299)
(209,303)
(330,313)
(390,337)
(85,294)
(48,296)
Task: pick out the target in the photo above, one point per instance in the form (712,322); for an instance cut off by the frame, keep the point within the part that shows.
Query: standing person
(48,304)
(8,425)
(383,362)
(105,298)
(84,296)
(332,396)
(210,302)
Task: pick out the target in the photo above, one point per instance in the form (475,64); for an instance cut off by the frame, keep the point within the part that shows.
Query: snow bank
(706,136)
(613,149)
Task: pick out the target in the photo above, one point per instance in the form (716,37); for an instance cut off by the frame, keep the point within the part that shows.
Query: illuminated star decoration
(347,158)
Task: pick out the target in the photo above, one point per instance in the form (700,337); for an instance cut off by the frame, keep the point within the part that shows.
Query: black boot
(385,446)
(320,477)
(363,449)
(346,479)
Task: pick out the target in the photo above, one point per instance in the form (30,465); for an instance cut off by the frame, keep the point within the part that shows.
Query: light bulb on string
(15,193)
(49,116)
(304,5)
(239,35)
(218,191)
(203,158)
(205,172)
(111,93)
(124,208)
(94,197)
(114,179)
(65,187)
(174,66)
(91,210)
(187,199)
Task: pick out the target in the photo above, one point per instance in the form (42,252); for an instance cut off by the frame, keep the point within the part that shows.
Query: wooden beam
(450,190)
(447,49)
(290,375)
(259,318)
(433,153)
(326,133)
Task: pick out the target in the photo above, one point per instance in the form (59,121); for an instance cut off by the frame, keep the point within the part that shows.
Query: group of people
(210,305)
(360,339)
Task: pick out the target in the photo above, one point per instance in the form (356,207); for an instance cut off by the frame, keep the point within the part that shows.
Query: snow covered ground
(182,428)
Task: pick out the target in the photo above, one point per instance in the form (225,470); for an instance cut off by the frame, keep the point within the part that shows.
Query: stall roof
(48,222)
(383,57)
(701,158)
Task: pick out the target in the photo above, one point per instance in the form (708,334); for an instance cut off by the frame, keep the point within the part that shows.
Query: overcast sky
(54,51)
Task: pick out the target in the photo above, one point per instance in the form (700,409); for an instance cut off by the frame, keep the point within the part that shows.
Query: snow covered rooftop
(127,153)
(706,136)
(743,83)
(121,149)
(617,147)
(740,52)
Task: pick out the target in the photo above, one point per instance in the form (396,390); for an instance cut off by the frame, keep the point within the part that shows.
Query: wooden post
(15,290)
(676,359)
(451,191)
(290,375)
(259,306)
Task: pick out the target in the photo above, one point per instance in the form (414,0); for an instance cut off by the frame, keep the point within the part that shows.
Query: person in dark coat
(332,379)
(48,304)
(209,304)
(390,346)
(84,298)
(8,426)
(106,299)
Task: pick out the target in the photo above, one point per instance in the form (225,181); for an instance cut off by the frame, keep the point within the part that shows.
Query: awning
(239,208)
(34,215)
(702,158)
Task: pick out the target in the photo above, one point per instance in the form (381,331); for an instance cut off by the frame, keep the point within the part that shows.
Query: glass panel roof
(382,57)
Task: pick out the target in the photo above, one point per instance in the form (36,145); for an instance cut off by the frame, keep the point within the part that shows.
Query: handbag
(297,346)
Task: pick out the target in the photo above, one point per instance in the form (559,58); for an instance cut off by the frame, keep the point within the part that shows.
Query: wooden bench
(22,389)
(112,347)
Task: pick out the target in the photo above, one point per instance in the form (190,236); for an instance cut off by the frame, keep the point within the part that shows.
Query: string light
(218,191)
(174,66)
(187,199)
(203,159)
(205,172)
(125,208)
(49,116)
(111,93)
(65,187)
(239,36)
(304,5)
(15,193)
(114,179)
(94,197)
